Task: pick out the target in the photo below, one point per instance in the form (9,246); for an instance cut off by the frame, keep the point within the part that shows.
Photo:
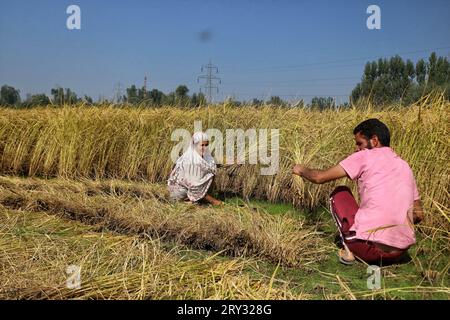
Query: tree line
(10,96)
(155,97)
(384,81)
(395,80)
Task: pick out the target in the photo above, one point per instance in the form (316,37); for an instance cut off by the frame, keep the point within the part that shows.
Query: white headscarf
(192,171)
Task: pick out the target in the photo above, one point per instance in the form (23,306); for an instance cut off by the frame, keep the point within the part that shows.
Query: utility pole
(209,86)
(145,87)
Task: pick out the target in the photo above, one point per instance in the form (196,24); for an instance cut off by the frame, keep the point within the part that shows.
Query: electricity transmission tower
(118,93)
(210,78)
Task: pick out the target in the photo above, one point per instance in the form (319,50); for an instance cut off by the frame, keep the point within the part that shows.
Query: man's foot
(217,203)
(212,200)
(346,257)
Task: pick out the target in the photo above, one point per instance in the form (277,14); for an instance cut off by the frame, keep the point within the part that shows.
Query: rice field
(85,185)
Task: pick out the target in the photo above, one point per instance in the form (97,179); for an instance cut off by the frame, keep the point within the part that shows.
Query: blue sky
(295,49)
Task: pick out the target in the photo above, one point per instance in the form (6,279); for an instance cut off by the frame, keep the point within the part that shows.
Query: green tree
(181,95)
(9,96)
(169,99)
(322,103)
(410,70)
(88,99)
(156,97)
(276,100)
(71,97)
(143,96)
(421,71)
(181,91)
(396,80)
(442,74)
(39,100)
(61,97)
(194,101)
(132,95)
(432,68)
(256,102)
(201,99)
(58,95)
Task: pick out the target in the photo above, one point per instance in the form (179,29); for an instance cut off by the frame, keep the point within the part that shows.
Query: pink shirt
(387,190)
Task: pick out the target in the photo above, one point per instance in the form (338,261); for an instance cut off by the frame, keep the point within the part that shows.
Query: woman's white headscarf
(192,171)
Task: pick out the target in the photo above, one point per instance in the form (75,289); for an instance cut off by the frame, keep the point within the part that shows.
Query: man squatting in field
(380,229)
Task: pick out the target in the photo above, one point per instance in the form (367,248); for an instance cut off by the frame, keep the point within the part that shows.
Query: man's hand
(319,176)
(417,212)
(298,169)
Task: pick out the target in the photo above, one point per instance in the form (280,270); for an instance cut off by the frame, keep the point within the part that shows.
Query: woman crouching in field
(193,173)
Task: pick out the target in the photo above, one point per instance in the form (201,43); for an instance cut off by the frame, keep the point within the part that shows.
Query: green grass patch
(424,276)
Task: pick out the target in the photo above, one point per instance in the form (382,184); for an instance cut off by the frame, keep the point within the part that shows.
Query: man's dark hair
(371,127)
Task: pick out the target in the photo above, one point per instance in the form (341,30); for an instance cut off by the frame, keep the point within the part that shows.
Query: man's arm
(319,176)
(417,212)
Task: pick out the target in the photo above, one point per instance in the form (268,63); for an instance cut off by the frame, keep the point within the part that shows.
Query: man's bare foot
(346,256)
(213,201)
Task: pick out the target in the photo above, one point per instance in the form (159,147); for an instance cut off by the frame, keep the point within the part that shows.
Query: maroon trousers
(343,208)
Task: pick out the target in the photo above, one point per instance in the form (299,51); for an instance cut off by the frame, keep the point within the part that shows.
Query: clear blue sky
(294,49)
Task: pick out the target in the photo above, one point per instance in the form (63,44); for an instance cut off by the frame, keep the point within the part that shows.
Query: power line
(299,80)
(289,95)
(322,64)
(209,80)
(297,66)
(337,98)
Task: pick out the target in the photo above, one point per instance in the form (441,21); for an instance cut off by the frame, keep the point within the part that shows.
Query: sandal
(346,258)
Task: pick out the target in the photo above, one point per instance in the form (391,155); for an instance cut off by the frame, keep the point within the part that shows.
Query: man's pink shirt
(387,190)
